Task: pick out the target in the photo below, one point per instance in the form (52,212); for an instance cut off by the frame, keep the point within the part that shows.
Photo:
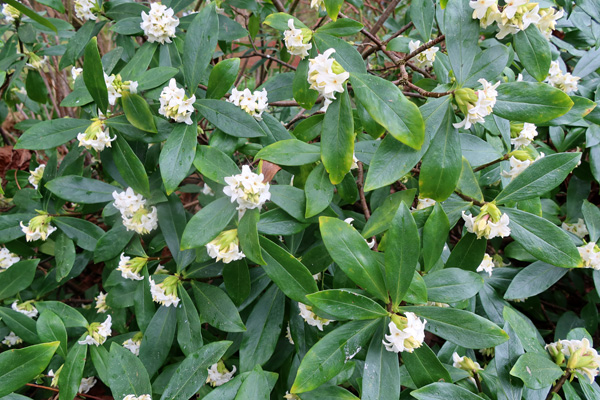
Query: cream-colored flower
(253,103)
(326,76)
(85,9)
(487,265)
(406,333)
(12,340)
(26,308)
(7,259)
(578,228)
(175,104)
(248,189)
(225,247)
(101,305)
(297,41)
(424,59)
(97,333)
(38,228)
(159,24)
(218,374)
(311,318)
(590,254)
(165,292)
(36,175)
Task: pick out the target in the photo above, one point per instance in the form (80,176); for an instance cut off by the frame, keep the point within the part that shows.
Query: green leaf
(525,331)
(214,164)
(540,177)
(333,8)
(21,325)
(292,277)
(352,254)
(76,44)
(126,373)
(468,183)
(255,386)
(381,373)
(443,391)
(263,329)
(534,53)
(34,85)
(144,306)
(328,357)
(488,65)
(341,27)
(310,128)
(139,62)
(83,232)
(155,77)
(31,14)
(318,190)
(236,277)
(206,224)
(442,164)
(344,304)
(386,104)
(199,46)
(189,335)
(280,20)
(229,118)
(348,57)
(303,94)
(382,217)
(278,222)
(506,356)
(535,103)
(468,253)
(591,214)
(157,339)
(462,37)
(536,371)
(78,189)
(50,328)
(18,277)
(64,253)
(451,285)
(18,367)
(533,280)
(330,392)
(435,233)
(191,374)
(222,78)
(70,316)
(337,138)
(460,327)
(177,155)
(542,239)
(112,243)
(422,13)
(248,236)
(49,134)
(216,308)
(138,112)
(72,371)
(93,75)
(424,367)
(130,167)
(291,199)
(99,356)
(402,253)
(290,152)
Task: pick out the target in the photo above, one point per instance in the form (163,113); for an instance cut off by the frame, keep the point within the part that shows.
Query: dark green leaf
(216,308)
(177,156)
(64,253)
(229,118)
(344,304)
(451,285)
(48,134)
(533,50)
(318,191)
(337,138)
(93,75)
(536,371)
(214,164)
(248,236)
(130,167)
(50,328)
(70,376)
(126,373)
(18,277)
(138,112)
(222,78)
(18,367)
(199,46)
(82,190)
(424,367)
(206,224)
(157,339)
(290,152)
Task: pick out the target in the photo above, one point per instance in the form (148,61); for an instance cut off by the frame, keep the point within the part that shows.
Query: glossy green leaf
(348,57)
(533,50)
(70,376)
(318,190)
(18,277)
(341,27)
(451,285)
(462,34)
(138,112)
(382,217)
(50,328)
(435,233)
(345,304)
(157,339)
(255,386)
(591,214)
(290,152)
(534,279)
(130,167)
(248,236)
(206,224)
(31,14)
(199,46)
(236,277)
(20,366)
(83,232)
(93,75)
(64,253)
(82,190)
(189,335)
(337,138)
(177,155)
(381,373)
(214,164)
(424,367)
(468,253)
(535,371)
(422,14)
(229,118)
(48,134)
(216,308)
(488,65)
(222,78)
(126,373)
(443,391)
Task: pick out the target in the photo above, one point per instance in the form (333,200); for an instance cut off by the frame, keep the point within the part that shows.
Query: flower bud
(336,68)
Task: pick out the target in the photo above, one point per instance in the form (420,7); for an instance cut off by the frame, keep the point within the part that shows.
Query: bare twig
(424,47)
(361,191)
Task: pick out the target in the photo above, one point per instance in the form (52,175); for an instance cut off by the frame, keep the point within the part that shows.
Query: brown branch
(89,396)
(384,16)
(469,199)
(278,5)
(424,47)
(484,166)
(558,385)
(361,191)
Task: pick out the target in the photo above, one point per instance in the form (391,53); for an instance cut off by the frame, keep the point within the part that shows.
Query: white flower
(160,24)
(311,318)
(219,375)
(530,17)
(354,162)
(318,4)
(294,41)
(590,254)
(163,293)
(547,21)
(526,136)
(565,82)
(487,265)
(95,137)
(326,76)
(517,167)
(86,384)
(97,333)
(84,9)
(175,104)
(133,346)
(75,72)
(130,269)
(38,228)
(581,356)
(579,229)
(511,7)
(409,336)
(480,7)
(425,58)
(206,190)
(7,259)
(253,103)
(128,202)
(25,308)
(425,202)
(10,13)
(143,221)
(36,175)
(12,340)
(465,363)
(486,99)
(483,225)
(500,228)
(101,303)
(141,397)
(116,87)
(225,247)
(248,189)
(288,334)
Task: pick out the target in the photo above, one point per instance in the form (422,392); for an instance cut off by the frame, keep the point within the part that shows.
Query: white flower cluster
(219,375)
(248,189)
(101,305)
(487,265)
(253,103)
(75,72)
(318,4)
(97,333)
(225,247)
(12,340)
(84,9)
(95,137)
(486,227)
(526,135)
(483,106)
(136,216)
(10,13)
(175,104)
(515,16)
(424,59)
(578,228)
(38,228)
(296,41)
(86,384)
(133,397)
(133,345)
(580,356)
(406,337)
(565,82)
(130,269)
(163,293)
(7,259)
(160,24)
(518,166)
(116,87)
(590,254)
(35,176)
(25,308)
(424,202)
(311,318)
(326,76)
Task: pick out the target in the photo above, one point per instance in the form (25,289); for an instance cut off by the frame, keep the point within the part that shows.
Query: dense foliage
(263,199)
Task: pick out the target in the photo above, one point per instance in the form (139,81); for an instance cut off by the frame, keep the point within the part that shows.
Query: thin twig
(361,191)
(89,396)
(484,166)
(558,385)
(469,199)
(424,47)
